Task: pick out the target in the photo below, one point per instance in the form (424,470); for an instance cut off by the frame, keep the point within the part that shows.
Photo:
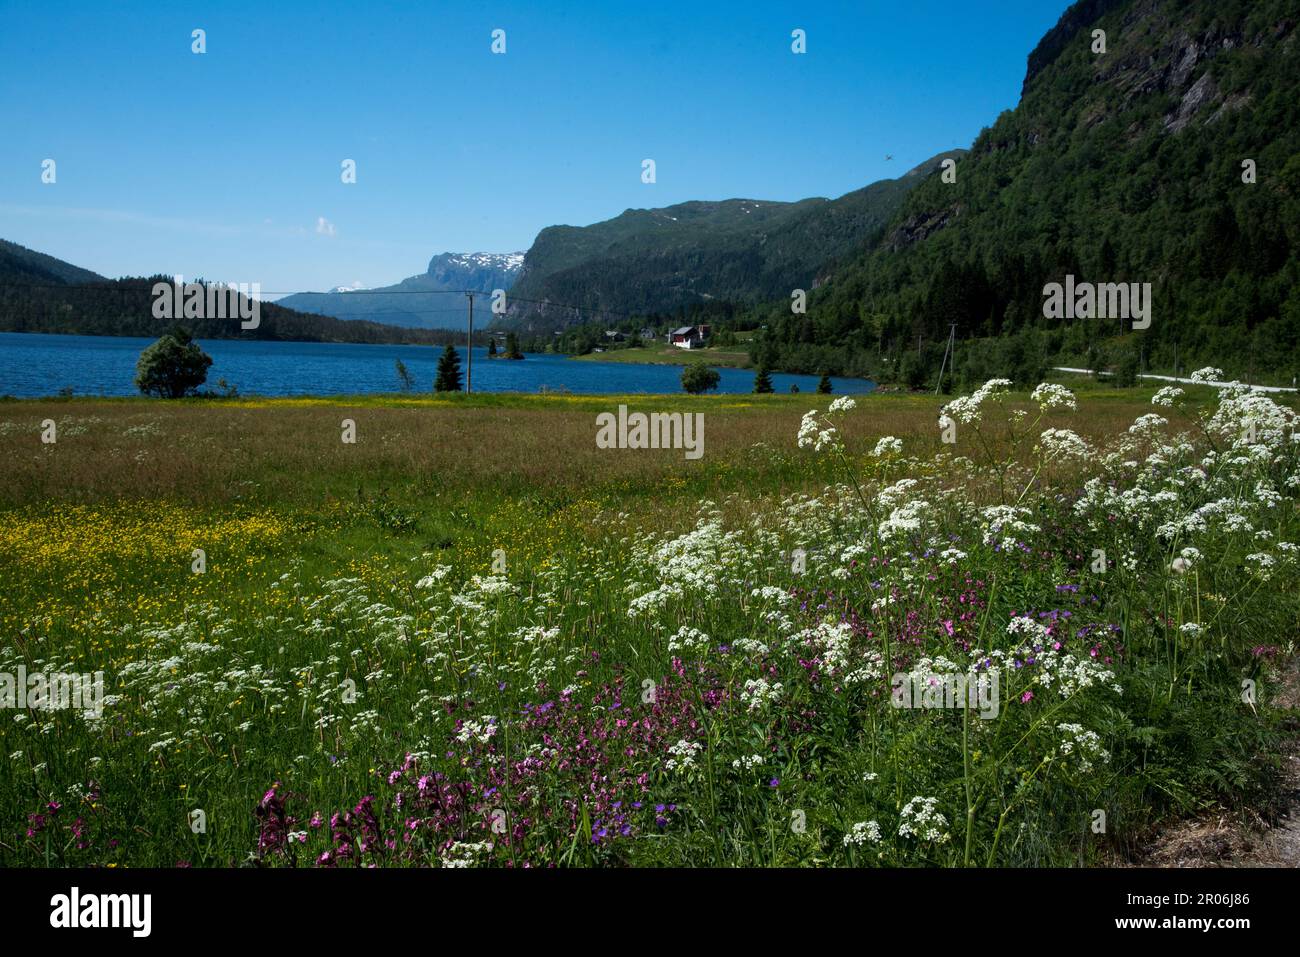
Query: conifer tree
(448,379)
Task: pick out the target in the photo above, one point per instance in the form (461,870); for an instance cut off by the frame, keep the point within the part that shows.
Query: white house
(689,337)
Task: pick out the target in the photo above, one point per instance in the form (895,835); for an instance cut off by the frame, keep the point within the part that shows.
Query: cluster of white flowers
(904,521)
(888,445)
(475,730)
(1049,395)
(698,561)
(812,433)
(862,832)
(1167,396)
(463,854)
(1267,496)
(1050,667)
(773,594)
(683,755)
(689,639)
(1005,525)
(1147,424)
(1082,745)
(920,819)
(1208,374)
(758,693)
(1062,443)
(747,763)
(891,496)
(1250,418)
(966,408)
(1263,564)
(830,640)
(491,584)
(819,435)
(438,574)
(841,405)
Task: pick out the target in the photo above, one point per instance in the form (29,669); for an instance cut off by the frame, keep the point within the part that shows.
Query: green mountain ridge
(655,261)
(18,264)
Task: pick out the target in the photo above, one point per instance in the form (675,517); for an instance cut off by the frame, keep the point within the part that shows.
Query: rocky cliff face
(1152,50)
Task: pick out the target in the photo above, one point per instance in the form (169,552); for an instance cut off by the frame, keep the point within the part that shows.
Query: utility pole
(469,347)
(952,335)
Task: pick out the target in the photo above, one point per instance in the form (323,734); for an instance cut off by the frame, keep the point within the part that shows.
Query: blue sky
(226,165)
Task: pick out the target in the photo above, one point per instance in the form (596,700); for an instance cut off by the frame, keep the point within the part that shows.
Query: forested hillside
(1123,166)
(657,261)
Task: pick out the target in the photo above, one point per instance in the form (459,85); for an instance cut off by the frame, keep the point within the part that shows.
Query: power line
(593,310)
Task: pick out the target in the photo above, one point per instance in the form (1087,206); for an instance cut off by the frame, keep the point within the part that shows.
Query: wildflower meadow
(1002,629)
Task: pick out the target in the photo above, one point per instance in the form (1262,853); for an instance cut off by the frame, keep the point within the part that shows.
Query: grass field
(473,637)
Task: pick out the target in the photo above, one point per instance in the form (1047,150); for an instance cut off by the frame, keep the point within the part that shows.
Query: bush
(698,377)
(915,373)
(1126,368)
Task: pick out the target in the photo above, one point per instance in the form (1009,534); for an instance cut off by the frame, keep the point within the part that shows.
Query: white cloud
(324,227)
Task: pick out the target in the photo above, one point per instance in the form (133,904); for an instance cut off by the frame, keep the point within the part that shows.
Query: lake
(37,364)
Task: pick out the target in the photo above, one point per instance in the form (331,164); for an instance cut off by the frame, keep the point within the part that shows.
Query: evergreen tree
(824,386)
(492,348)
(512,346)
(763,382)
(448,379)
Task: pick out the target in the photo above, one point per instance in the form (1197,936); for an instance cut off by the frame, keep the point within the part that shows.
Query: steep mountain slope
(656,260)
(431,300)
(1120,166)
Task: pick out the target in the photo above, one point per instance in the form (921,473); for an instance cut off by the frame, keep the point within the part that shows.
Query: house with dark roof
(689,337)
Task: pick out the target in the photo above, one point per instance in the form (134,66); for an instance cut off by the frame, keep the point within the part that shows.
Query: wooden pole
(469,348)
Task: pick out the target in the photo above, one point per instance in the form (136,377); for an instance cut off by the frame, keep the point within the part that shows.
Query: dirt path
(1267,838)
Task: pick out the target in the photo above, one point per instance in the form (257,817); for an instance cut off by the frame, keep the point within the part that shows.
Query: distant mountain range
(645,261)
(432,300)
(39,293)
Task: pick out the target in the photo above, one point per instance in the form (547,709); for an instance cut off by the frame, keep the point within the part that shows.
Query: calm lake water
(34,364)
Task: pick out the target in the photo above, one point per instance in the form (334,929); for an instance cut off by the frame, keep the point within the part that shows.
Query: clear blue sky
(224,165)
